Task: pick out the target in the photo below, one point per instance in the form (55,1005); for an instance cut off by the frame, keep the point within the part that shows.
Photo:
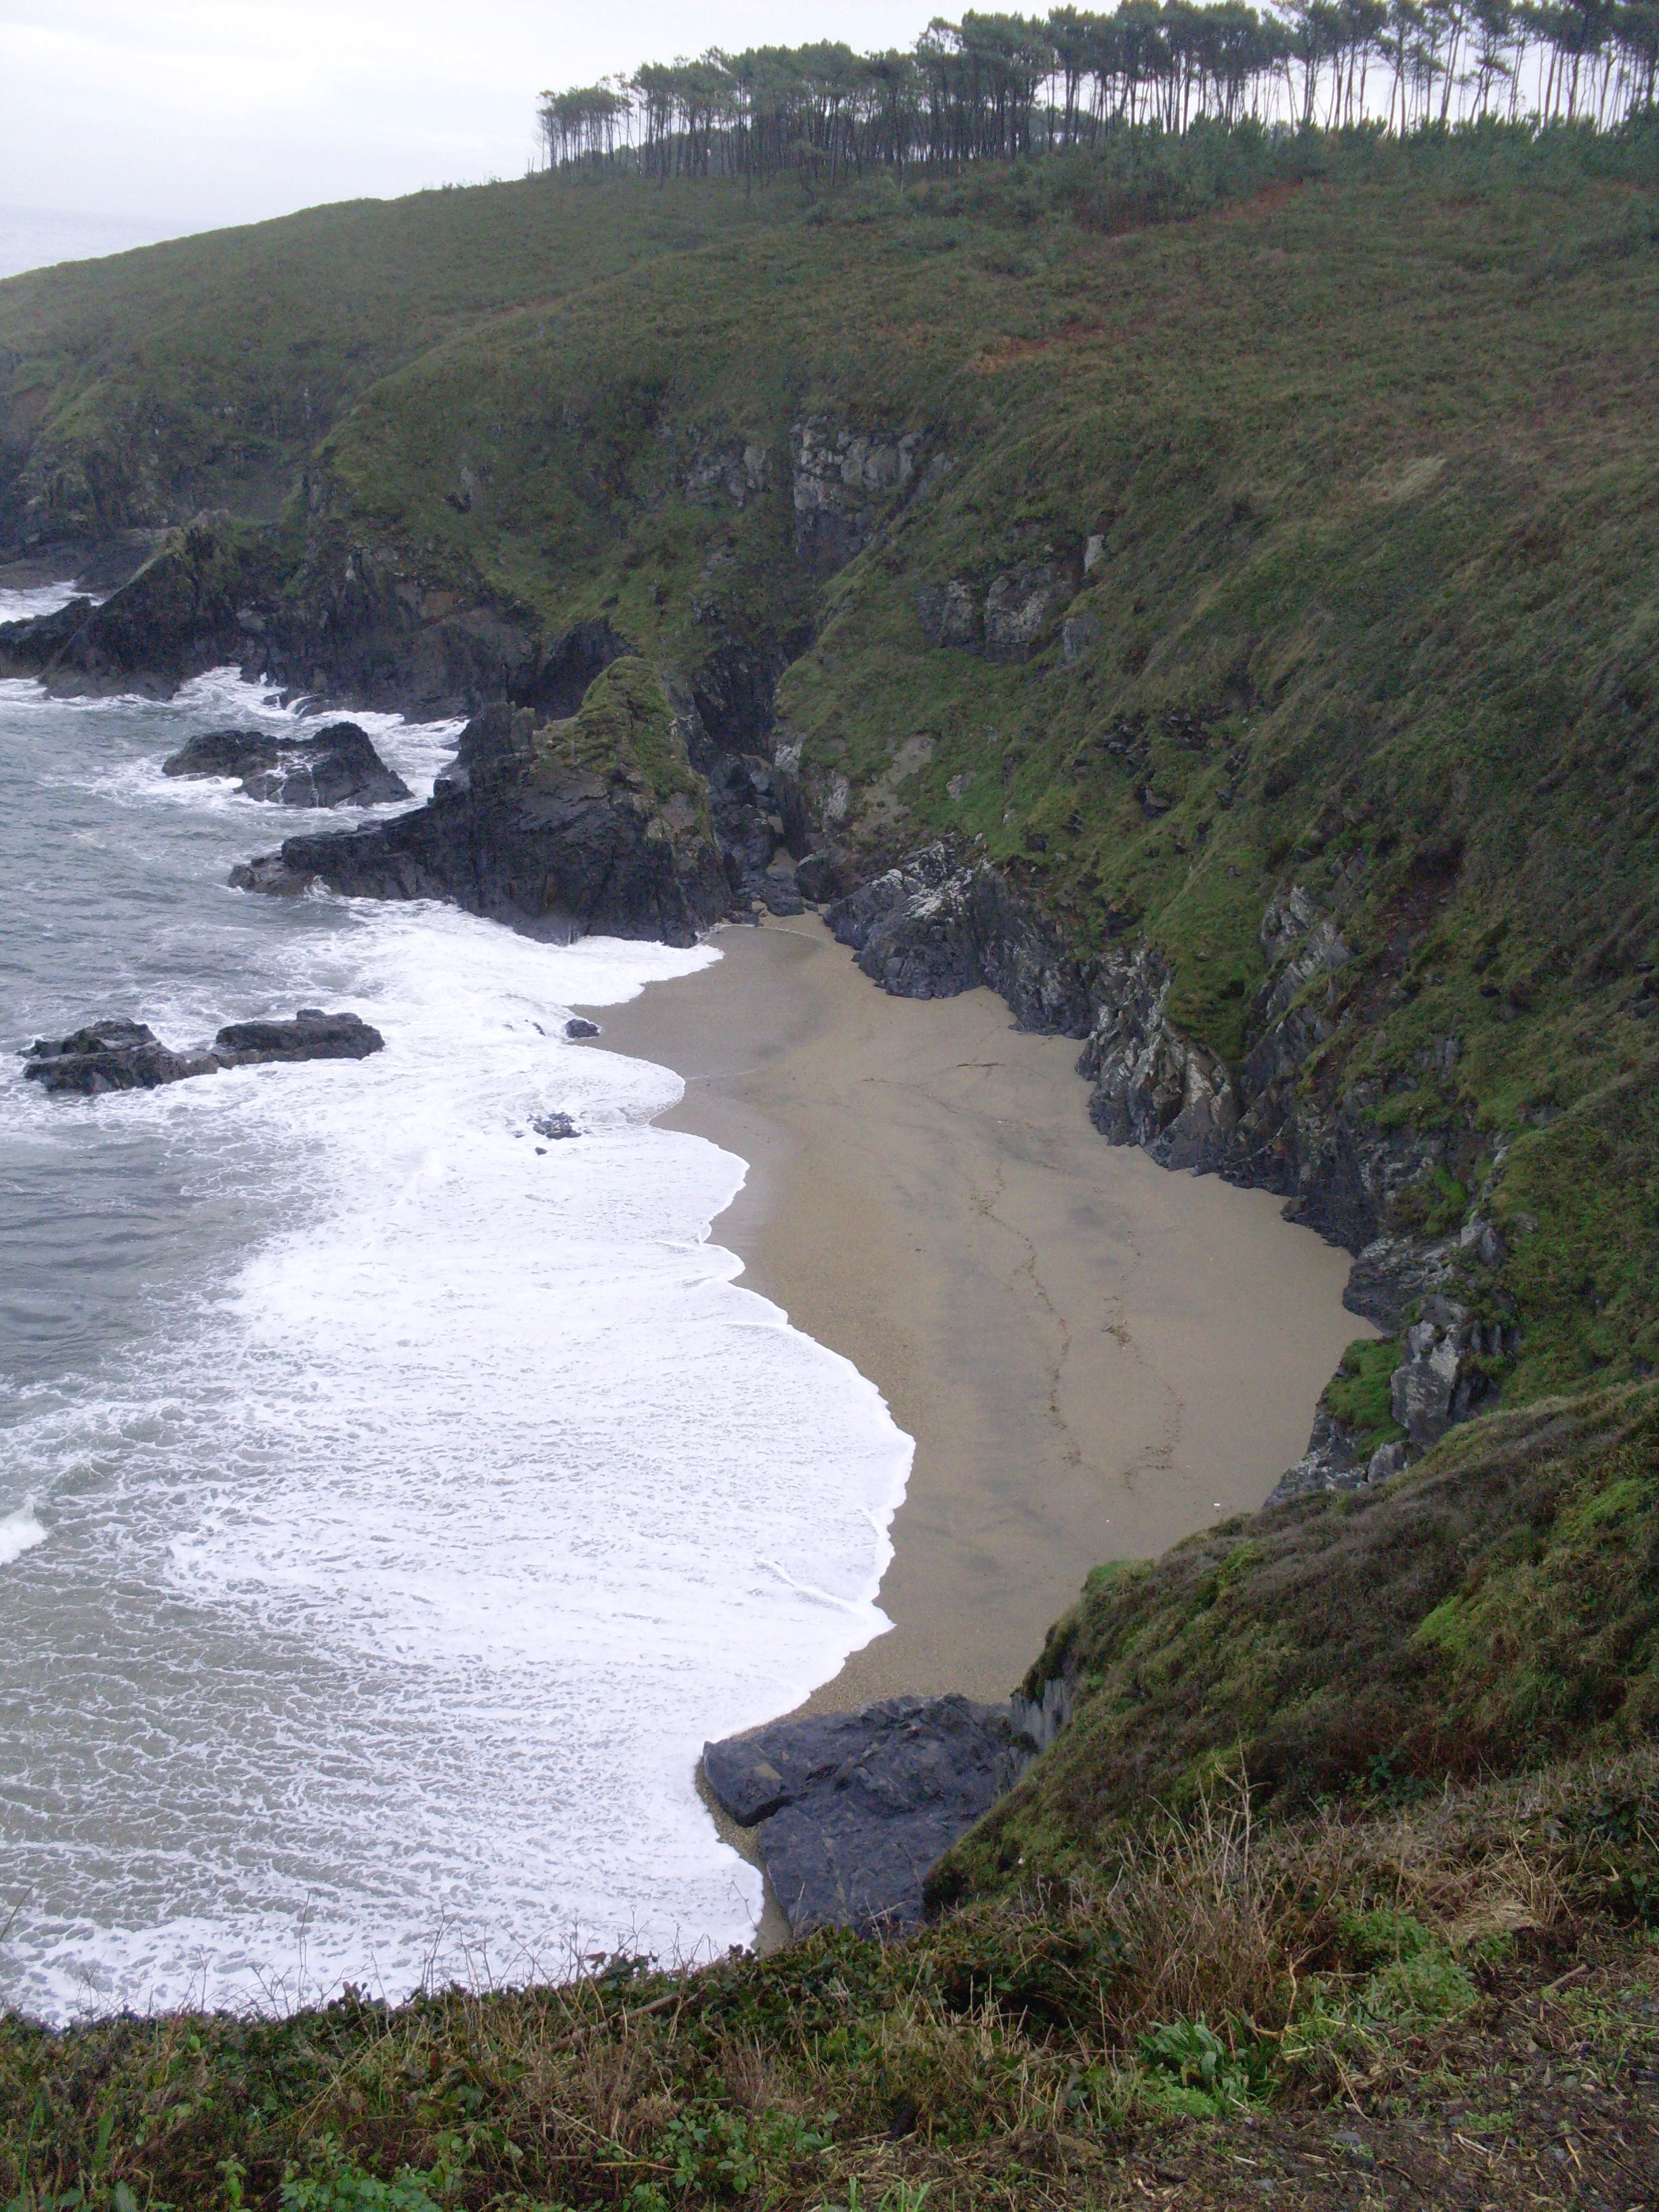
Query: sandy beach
(1094,1357)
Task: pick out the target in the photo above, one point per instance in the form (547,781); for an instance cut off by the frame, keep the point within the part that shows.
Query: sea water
(391,1500)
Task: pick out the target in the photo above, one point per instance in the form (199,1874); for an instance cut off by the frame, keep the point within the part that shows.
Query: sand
(1094,1357)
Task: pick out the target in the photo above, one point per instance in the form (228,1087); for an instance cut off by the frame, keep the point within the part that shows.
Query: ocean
(391,1501)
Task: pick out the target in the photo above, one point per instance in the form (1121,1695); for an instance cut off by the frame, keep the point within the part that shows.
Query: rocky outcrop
(758,819)
(1022,605)
(125,1055)
(934,926)
(181,612)
(1011,618)
(1441,1380)
(312,1035)
(1153,1086)
(593,823)
(110,1055)
(338,767)
(844,484)
(851,1809)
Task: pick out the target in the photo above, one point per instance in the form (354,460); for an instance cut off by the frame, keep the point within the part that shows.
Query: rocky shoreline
(118,1054)
(603,793)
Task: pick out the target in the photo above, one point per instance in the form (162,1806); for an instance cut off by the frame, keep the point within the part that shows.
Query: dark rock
(933,928)
(338,767)
(949,614)
(553,1125)
(1332,1461)
(1394,1274)
(853,1808)
(521,830)
(110,1055)
(125,1055)
(312,1035)
(271,874)
(822,876)
(176,616)
(580,1026)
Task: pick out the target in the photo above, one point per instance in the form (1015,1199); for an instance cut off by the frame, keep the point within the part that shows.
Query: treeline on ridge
(997,88)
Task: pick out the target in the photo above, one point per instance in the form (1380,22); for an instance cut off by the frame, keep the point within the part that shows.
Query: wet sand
(1094,1356)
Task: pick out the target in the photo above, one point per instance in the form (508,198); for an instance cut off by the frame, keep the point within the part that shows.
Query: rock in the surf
(851,1809)
(118,1054)
(594,824)
(580,1026)
(312,1035)
(338,767)
(555,1125)
(110,1055)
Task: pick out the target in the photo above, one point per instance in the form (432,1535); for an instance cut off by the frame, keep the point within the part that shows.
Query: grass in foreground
(1462,1993)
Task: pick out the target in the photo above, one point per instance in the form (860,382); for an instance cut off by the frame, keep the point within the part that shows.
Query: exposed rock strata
(842,483)
(126,1055)
(853,1808)
(336,767)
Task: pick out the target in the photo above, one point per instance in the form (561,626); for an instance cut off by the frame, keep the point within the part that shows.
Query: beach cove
(1096,1357)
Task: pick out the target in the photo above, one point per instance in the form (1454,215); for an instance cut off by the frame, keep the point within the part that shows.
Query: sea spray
(417,1492)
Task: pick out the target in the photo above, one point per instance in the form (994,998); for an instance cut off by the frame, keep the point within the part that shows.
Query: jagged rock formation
(853,1808)
(118,1054)
(932,927)
(338,767)
(181,612)
(597,822)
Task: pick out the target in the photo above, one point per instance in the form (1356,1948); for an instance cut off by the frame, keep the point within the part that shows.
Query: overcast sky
(145,118)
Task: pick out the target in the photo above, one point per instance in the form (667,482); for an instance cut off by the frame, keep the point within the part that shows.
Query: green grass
(1231,1986)
(1370,435)
(136,391)
(1495,1606)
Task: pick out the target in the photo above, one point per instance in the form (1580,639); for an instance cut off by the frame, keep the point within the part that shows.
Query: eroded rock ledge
(851,1809)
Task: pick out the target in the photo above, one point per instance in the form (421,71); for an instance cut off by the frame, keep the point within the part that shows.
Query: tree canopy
(994,86)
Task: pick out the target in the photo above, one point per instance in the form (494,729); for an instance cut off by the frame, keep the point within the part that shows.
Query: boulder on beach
(117,1055)
(580,1026)
(851,1809)
(338,767)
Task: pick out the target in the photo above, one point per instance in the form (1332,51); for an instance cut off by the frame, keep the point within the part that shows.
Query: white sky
(178,115)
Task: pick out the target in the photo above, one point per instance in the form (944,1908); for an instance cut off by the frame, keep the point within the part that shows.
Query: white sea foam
(399,1572)
(19,1533)
(38,600)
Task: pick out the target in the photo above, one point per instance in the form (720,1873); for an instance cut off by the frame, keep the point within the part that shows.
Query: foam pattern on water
(38,600)
(368,1602)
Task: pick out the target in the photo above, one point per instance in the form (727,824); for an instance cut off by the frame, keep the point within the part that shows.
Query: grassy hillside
(1318,481)
(1371,466)
(136,391)
(1493,1607)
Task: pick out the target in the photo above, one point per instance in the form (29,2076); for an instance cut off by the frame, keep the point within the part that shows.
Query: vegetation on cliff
(1241,546)
(1471,1983)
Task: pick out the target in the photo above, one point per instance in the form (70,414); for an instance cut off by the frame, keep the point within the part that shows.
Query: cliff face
(1251,679)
